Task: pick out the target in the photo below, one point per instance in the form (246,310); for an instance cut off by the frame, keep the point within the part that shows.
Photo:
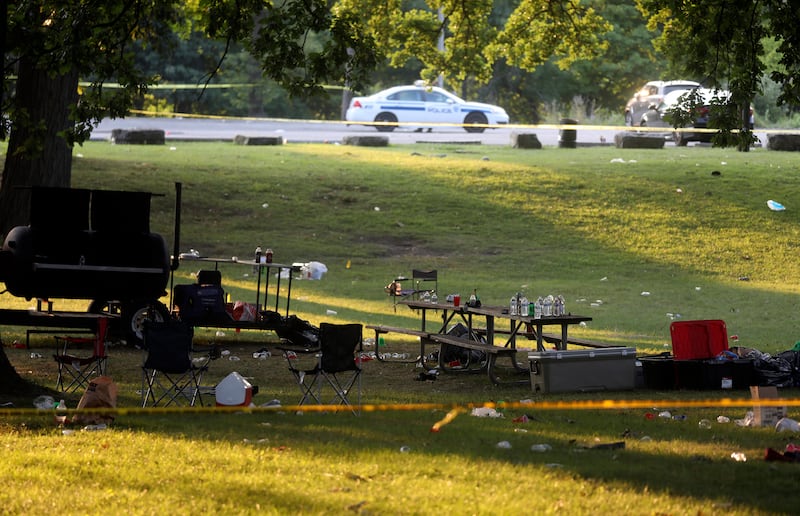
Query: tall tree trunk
(37,156)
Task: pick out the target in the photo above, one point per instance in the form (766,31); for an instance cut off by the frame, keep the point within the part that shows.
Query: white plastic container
(234,391)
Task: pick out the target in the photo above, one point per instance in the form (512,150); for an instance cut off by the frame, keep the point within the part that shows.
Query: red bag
(244,311)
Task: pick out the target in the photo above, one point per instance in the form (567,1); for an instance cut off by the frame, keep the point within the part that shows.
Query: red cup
(457,300)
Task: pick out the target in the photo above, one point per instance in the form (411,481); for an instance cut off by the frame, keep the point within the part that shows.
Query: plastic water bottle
(524,306)
(556,307)
(61,413)
(562,305)
(512,306)
(434,297)
(538,307)
(547,309)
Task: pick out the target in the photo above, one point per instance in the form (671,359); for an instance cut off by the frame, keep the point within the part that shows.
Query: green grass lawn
(602,226)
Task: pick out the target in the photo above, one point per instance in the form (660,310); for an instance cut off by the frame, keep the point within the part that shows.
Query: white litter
(485,412)
(775,205)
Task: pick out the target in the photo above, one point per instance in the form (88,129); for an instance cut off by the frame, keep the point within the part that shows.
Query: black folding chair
(336,365)
(169,373)
(425,283)
(76,368)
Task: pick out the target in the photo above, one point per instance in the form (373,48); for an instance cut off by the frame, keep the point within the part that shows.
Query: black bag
(463,355)
(775,371)
(298,332)
(198,304)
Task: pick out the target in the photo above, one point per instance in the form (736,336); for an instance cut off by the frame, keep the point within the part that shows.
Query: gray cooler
(583,370)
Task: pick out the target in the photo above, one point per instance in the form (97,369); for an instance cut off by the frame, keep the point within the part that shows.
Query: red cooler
(693,340)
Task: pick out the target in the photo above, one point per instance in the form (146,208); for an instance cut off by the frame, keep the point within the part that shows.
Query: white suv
(652,93)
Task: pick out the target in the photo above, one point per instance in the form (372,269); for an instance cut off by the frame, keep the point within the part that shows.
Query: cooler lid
(572,354)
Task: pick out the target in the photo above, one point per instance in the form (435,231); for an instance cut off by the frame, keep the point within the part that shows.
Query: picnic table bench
(492,354)
(551,338)
(556,339)
(380,329)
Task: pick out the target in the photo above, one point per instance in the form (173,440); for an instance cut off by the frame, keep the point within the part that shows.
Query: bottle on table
(547,310)
(524,306)
(512,305)
(257,259)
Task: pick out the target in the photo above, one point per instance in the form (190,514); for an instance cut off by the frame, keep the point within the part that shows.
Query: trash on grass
(775,205)
(786,424)
(485,412)
(44,402)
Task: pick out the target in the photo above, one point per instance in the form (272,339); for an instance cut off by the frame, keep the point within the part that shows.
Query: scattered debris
(775,205)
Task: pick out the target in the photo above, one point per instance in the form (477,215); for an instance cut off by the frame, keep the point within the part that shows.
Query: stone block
(525,141)
(630,140)
(138,136)
(366,141)
(240,139)
(783,142)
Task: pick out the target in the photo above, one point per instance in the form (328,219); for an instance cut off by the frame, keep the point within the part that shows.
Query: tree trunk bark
(37,155)
(11,383)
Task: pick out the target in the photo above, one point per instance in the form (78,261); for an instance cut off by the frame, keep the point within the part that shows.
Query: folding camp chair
(169,374)
(421,284)
(75,370)
(424,280)
(336,365)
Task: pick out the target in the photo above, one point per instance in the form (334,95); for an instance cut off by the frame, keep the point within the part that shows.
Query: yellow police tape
(453,408)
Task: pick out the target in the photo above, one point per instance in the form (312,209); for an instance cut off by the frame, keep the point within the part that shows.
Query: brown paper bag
(101,393)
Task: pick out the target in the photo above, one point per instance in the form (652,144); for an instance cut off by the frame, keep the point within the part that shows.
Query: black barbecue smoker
(94,245)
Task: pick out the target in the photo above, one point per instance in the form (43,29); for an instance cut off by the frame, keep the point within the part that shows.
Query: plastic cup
(457,300)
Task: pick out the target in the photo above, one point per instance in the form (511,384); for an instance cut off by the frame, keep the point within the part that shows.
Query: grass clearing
(578,222)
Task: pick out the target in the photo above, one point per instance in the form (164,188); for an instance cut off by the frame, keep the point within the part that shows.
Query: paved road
(178,129)
(193,129)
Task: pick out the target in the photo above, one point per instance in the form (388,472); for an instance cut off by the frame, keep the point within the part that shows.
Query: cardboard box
(583,370)
(766,415)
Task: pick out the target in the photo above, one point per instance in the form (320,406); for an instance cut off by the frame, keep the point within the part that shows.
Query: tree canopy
(722,43)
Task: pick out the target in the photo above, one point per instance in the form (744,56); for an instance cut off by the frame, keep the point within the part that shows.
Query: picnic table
(516,323)
(482,339)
